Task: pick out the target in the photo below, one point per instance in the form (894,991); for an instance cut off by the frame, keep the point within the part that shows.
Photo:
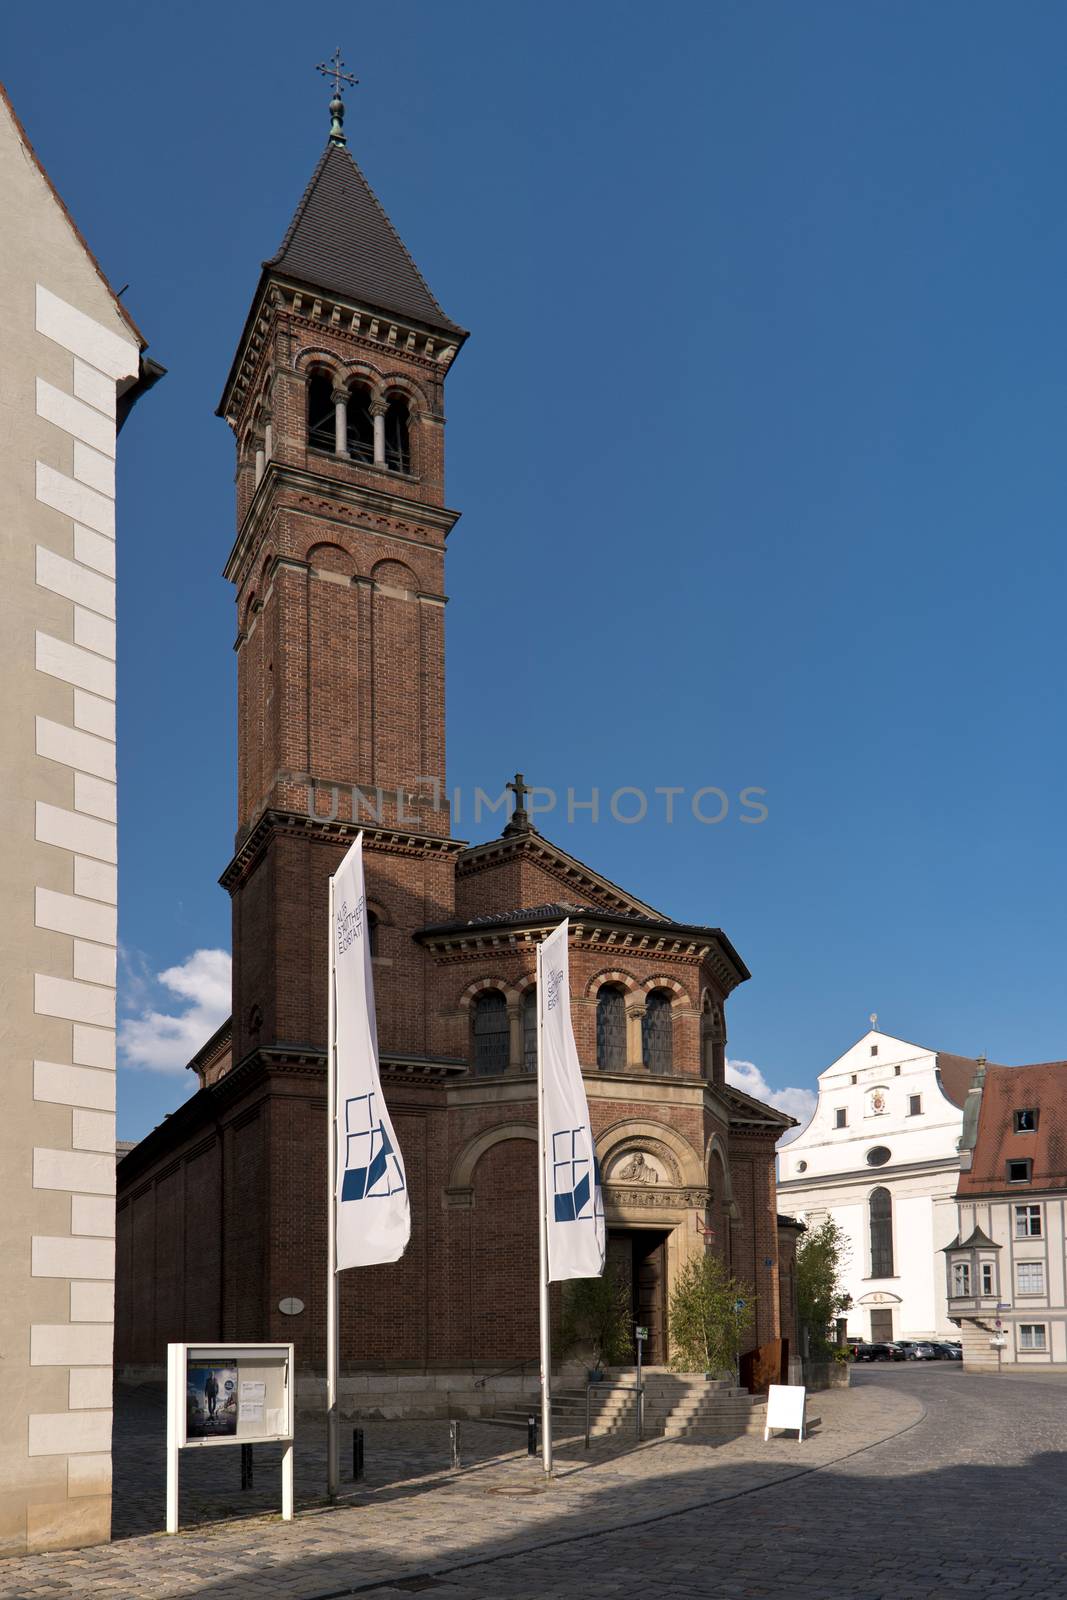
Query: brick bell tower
(336,400)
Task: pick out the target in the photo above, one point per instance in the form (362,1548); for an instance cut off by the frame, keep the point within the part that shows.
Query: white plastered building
(72,366)
(881,1157)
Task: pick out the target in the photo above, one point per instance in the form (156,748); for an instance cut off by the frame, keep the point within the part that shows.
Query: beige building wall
(68,351)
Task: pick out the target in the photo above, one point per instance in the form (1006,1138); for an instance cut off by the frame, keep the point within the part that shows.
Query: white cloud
(799,1103)
(164,1041)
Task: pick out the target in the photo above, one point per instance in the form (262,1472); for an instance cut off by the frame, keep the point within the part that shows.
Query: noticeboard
(221,1394)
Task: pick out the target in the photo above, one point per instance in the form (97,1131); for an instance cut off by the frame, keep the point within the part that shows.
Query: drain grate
(516,1488)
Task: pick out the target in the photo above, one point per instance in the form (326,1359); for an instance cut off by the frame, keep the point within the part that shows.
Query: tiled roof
(555,908)
(957,1075)
(340,240)
(1042,1087)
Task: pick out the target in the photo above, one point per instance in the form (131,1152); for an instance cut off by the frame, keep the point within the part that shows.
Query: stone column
(261,461)
(268,435)
(514,1027)
(340,421)
(635,1013)
(377,412)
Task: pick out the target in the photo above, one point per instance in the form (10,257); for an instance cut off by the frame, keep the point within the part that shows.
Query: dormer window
(1019,1171)
(1025,1120)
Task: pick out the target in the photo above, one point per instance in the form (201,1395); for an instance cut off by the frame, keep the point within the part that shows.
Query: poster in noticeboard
(211,1400)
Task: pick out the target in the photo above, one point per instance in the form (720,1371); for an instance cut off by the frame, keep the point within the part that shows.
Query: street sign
(739,1305)
(641,1333)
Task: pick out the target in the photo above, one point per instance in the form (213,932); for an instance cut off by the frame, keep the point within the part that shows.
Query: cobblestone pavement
(920,1482)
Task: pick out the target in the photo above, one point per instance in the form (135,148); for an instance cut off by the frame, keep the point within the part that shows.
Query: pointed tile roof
(340,240)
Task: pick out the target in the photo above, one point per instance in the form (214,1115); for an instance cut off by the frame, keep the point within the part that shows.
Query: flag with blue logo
(574,1205)
(373,1215)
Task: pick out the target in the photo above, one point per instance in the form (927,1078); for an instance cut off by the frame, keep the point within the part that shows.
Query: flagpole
(332,1453)
(542,1243)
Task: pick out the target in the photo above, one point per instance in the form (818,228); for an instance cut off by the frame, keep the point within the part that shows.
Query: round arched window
(878,1156)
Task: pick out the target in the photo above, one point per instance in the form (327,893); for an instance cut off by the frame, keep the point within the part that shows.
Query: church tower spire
(334,68)
(336,401)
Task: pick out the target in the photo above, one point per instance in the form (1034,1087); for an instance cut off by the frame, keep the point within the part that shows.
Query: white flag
(371,1201)
(575,1222)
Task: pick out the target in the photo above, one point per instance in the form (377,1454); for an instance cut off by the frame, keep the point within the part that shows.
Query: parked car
(948,1352)
(897,1351)
(875,1352)
(908,1347)
(925,1351)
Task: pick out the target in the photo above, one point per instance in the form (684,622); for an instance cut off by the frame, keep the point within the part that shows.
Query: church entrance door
(881,1327)
(638,1257)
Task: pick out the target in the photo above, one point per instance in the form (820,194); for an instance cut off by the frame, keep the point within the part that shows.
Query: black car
(948,1352)
(875,1352)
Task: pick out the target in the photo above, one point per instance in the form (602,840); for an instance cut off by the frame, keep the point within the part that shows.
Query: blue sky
(758,442)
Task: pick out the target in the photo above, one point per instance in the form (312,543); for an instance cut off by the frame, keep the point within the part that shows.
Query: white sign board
(785,1408)
(220,1394)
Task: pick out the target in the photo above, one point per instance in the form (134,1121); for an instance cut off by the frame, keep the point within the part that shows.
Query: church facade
(881,1157)
(336,401)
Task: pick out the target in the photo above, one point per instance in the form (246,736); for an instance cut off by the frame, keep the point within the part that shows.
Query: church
(336,401)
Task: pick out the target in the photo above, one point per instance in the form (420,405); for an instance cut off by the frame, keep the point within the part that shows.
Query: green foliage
(822,1255)
(710,1313)
(596,1314)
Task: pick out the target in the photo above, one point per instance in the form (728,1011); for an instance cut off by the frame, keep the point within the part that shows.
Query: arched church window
(360,424)
(611,1028)
(657,1043)
(529,1031)
(373,926)
(490,1030)
(397,435)
(880,1210)
(321,412)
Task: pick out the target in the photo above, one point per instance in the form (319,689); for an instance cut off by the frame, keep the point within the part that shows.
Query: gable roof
(593,889)
(341,240)
(27,144)
(746,1111)
(1043,1087)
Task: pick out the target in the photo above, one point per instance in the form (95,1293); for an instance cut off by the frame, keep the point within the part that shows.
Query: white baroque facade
(881,1157)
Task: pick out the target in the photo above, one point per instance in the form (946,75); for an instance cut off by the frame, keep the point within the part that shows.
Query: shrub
(821,1257)
(596,1314)
(710,1312)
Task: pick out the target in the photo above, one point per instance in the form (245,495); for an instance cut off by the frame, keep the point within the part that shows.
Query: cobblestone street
(919,1482)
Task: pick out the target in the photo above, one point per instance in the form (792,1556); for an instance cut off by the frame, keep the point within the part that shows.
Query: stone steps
(568,1412)
(679,1408)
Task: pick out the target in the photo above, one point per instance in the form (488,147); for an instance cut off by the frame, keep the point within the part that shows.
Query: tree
(822,1255)
(710,1312)
(596,1313)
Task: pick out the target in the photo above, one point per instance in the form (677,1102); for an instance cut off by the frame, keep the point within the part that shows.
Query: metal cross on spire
(334,68)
